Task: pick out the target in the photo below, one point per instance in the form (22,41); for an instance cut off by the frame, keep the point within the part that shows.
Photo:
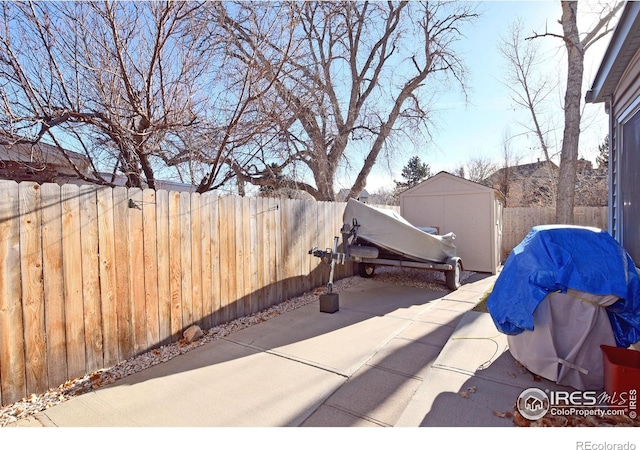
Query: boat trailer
(368,256)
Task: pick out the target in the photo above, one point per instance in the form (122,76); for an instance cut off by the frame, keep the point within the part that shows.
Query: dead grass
(481,306)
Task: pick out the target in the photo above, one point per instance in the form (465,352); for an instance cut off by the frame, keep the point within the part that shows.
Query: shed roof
(444,181)
(624,43)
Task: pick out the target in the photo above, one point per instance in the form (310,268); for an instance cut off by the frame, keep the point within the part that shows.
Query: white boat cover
(389,230)
(564,345)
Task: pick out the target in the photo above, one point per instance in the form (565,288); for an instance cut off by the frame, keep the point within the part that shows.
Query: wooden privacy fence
(91,276)
(517,222)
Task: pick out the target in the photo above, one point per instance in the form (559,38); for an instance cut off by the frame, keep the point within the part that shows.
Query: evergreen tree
(603,156)
(414,172)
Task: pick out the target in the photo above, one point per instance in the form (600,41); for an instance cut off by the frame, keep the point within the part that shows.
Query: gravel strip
(428,279)
(421,278)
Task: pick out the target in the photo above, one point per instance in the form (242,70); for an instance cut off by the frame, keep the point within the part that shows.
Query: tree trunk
(573,95)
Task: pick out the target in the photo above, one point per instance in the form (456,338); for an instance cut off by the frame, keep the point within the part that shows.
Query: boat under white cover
(389,230)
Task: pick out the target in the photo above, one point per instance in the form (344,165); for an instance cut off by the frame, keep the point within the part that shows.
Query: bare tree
(576,46)
(359,76)
(476,169)
(480,168)
(529,89)
(256,40)
(141,88)
(458,171)
(509,160)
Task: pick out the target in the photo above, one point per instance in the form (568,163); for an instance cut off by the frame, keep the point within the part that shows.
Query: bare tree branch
(139,86)
(528,89)
(354,59)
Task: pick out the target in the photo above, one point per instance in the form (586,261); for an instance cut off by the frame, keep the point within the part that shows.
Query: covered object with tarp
(392,232)
(564,291)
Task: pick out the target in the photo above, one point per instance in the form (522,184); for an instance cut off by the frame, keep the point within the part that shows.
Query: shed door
(470,218)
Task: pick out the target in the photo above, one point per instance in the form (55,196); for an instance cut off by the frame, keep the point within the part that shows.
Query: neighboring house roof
(523,170)
(45,163)
(37,162)
(624,44)
(529,184)
(373,199)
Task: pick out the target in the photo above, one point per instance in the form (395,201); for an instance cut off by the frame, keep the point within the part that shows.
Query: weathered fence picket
(517,222)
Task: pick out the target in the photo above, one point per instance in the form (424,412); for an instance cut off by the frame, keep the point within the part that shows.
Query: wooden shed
(471,211)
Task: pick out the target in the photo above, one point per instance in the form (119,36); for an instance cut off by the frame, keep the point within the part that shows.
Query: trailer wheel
(366,270)
(452,277)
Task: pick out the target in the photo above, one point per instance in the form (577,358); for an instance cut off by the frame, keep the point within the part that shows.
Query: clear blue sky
(466,131)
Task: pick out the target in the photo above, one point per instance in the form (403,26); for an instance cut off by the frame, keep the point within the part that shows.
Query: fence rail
(91,276)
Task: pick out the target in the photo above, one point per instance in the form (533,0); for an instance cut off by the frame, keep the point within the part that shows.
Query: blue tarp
(559,257)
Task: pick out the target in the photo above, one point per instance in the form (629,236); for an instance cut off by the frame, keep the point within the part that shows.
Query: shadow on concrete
(363,362)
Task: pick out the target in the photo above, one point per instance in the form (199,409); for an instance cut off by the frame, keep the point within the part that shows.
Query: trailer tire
(452,277)
(366,270)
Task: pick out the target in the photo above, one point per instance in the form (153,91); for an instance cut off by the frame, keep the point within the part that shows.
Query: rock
(193,333)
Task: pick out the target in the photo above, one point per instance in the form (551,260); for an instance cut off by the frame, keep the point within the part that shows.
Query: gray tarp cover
(391,231)
(565,344)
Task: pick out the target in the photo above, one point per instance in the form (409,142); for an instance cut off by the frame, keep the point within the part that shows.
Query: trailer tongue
(376,237)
